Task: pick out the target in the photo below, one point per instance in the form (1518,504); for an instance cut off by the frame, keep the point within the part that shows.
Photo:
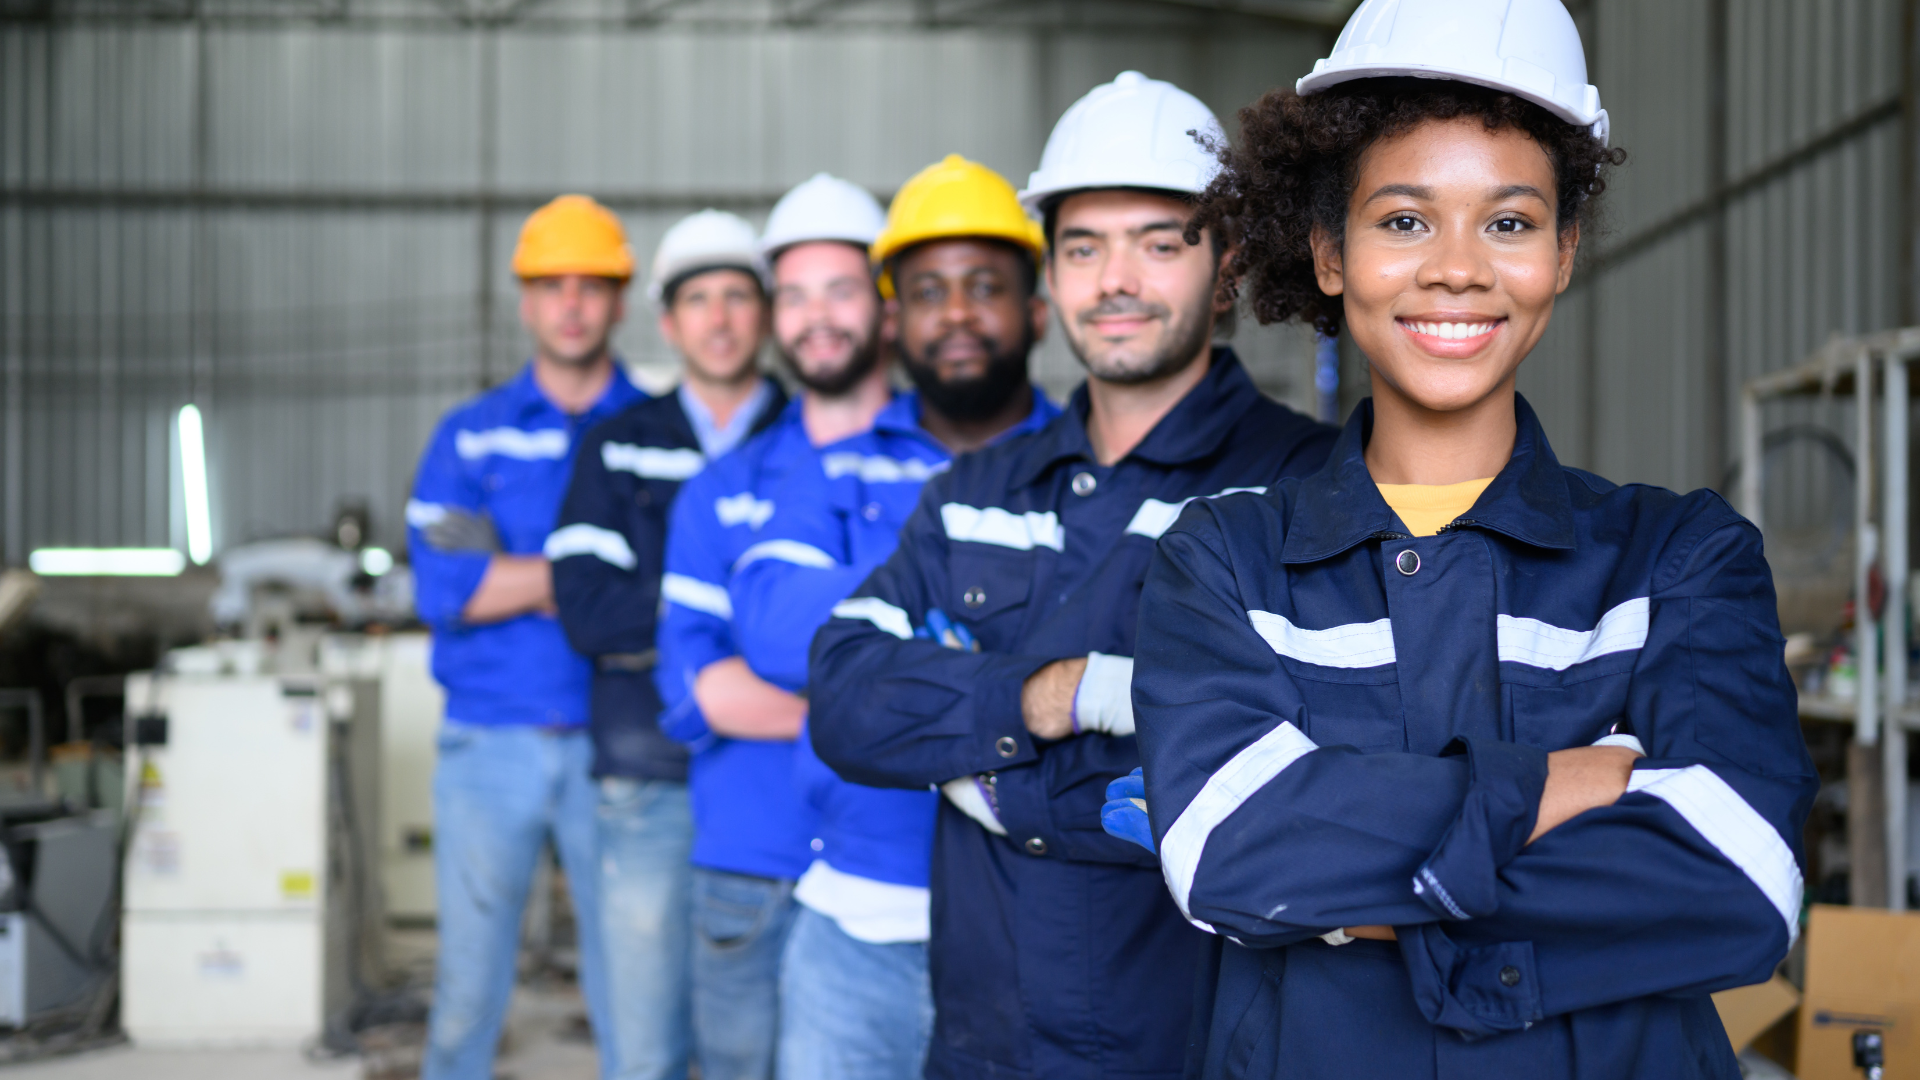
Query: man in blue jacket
(607,552)
(1055,950)
(739,715)
(513,751)
(961,257)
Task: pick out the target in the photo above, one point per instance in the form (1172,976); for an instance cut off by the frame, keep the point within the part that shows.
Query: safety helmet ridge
(708,240)
(822,207)
(953,198)
(572,235)
(1131,132)
(1528,48)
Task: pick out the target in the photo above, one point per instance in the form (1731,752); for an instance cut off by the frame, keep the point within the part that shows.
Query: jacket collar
(1340,506)
(529,403)
(1191,431)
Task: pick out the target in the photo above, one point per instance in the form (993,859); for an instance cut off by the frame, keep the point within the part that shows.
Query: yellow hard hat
(954,197)
(573,235)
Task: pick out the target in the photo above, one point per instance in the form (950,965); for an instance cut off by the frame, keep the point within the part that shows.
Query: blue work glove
(944,631)
(1125,814)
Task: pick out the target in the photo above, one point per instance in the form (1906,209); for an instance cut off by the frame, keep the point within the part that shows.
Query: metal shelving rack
(1874,370)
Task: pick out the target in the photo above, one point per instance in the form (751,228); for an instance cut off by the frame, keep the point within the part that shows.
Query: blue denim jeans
(499,792)
(646,883)
(851,1009)
(740,925)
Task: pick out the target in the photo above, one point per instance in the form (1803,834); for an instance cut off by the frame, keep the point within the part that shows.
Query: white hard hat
(708,240)
(1131,132)
(822,208)
(1529,48)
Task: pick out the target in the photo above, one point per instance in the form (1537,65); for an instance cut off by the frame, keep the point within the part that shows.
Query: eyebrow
(1415,191)
(1077,232)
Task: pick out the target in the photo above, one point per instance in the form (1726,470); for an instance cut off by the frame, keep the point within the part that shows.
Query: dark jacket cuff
(1504,784)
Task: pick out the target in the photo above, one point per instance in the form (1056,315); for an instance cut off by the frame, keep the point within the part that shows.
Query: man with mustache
(786,855)
(1056,951)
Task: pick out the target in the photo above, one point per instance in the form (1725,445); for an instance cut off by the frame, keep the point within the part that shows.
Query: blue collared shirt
(505,454)
(715,438)
(760,548)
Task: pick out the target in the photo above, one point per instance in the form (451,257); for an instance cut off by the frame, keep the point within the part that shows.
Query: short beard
(866,355)
(1186,336)
(978,398)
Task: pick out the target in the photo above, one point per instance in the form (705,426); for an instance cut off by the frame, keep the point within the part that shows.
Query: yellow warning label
(296,884)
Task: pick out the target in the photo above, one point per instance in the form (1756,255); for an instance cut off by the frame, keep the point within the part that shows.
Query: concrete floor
(546,1039)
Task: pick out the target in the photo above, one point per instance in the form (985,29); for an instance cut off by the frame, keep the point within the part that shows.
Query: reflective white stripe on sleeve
(1723,818)
(742,509)
(1104,699)
(1224,792)
(583,539)
(1354,645)
(880,469)
(546,444)
(878,612)
(652,462)
(1543,645)
(1002,528)
(789,551)
(1154,517)
(696,594)
(964,792)
(422,514)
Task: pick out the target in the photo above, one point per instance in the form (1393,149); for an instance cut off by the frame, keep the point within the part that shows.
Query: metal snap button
(1509,976)
(974,597)
(1006,746)
(1036,846)
(817,844)
(1084,483)
(871,512)
(1407,562)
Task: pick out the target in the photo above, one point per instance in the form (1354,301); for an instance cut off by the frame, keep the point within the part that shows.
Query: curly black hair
(1299,158)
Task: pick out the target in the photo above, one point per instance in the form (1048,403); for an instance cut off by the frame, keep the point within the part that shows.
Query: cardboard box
(1863,973)
(1749,1010)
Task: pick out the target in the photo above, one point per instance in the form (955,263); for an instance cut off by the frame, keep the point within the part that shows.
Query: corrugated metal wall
(305,227)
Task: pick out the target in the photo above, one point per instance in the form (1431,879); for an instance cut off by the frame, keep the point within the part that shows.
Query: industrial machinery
(56,887)
(251,902)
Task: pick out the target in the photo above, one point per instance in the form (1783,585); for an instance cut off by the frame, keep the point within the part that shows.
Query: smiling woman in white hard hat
(1475,765)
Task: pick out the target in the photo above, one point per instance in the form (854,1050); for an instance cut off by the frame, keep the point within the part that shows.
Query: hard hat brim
(1329,77)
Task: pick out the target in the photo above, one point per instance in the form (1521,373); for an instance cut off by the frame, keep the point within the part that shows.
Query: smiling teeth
(1452,331)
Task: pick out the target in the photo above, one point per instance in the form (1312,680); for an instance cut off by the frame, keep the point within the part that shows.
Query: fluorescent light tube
(118,562)
(193,484)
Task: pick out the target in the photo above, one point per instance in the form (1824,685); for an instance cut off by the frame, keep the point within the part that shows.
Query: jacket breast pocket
(990,593)
(1357,707)
(1558,710)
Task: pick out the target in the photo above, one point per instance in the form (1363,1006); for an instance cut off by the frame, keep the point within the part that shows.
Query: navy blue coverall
(1056,952)
(608,552)
(1345,726)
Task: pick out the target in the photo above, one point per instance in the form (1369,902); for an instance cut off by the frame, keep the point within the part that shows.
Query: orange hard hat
(573,235)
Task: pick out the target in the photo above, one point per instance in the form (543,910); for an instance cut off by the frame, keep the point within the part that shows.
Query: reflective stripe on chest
(1531,642)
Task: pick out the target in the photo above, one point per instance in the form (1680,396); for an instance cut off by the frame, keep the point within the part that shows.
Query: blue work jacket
(762,545)
(1056,952)
(608,551)
(1345,726)
(505,455)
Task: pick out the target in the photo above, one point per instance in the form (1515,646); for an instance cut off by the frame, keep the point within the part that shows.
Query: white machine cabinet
(232,930)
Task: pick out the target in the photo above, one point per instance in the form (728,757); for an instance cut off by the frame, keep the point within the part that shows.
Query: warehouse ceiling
(1081,15)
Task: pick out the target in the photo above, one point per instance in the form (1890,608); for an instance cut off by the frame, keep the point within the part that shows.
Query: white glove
(964,792)
(1104,700)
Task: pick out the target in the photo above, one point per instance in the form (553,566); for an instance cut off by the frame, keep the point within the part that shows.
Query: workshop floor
(546,1039)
